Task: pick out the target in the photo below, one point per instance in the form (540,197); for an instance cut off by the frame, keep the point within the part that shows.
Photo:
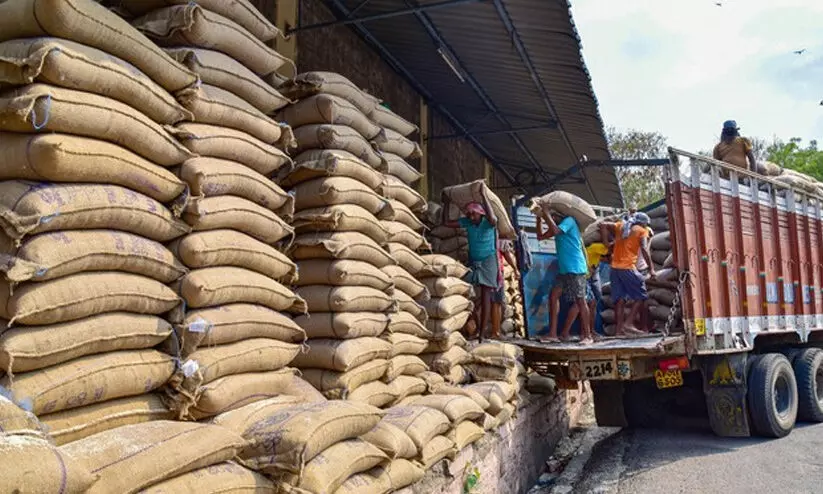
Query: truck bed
(648,346)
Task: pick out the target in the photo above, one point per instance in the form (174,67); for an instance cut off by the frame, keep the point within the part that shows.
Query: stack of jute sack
(87,203)
(513,312)
(663,288)
(498,373)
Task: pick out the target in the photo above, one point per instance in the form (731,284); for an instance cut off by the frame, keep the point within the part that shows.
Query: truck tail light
(677,363)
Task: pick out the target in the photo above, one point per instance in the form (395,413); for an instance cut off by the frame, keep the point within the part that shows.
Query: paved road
(672,461)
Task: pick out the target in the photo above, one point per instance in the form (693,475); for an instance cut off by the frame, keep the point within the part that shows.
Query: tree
(794,156)
(641,185)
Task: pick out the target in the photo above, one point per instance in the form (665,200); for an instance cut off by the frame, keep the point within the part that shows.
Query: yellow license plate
(668,379)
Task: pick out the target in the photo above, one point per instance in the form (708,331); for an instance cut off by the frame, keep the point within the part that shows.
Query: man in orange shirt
(734,149)
(627,284)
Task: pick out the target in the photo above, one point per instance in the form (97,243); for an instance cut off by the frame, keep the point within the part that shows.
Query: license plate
(668,379)
(598,369)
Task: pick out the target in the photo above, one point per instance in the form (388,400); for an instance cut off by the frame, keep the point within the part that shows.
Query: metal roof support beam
(496,132)
(383,15)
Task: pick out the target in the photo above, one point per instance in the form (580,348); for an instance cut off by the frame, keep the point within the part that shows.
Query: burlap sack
(407,323)
(399,473)
(91,379)
(497,393)
(222,71)
(364,483)
(79,423)
(565,204)
(399,168)
(241,419)
(344,245)
(420,423)
(233,145)
(458,375)
(324,298)
(32,348)
(192,25)
(216,177)
(343,324)
(232,248)
(444,345)
(337,385)
(215,106)
(443,266)
(343,273)
(222,477)
(661,241)
(432,379)
(406,283)
(402,234)
(342,355)
(16,421)
(390,439)
(447,286)
(446,307)
(375,393)
(30,464)
(482,373)
(67,64)
(465,433)
(340,218)
(384,117)
(442,362)
(339,190)
(447,389)
(394,188)
(232,212)
(311,83)
(407,304)
(797,181)
(209,287)
(397,144)
(65,158)
(406,258)
(329,469)
(442,328)
(404,215)
(497,353)
(82,295)
(509,410)
(405,386)
(330,109)
(541,384)
(462,195)
(659,256)
(663,296)
(769,169)
(89,23)
(404,365)
(53,255)
(443,246)
(136,456)
(252,355)
(319,163)
(27,208)
(328,136)
(456,407)
(405,344)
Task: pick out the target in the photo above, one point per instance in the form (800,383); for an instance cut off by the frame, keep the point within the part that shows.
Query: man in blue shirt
(480,224)
(571,275)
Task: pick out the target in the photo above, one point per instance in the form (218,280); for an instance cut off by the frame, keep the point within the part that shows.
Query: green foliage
(641,185)
(795,156)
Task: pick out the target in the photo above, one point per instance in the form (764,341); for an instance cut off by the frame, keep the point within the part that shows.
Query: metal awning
(508,75)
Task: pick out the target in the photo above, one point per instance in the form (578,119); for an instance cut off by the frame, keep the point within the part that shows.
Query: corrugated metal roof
(522,67)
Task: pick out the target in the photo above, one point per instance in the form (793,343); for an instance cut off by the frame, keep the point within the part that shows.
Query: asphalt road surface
(695,461)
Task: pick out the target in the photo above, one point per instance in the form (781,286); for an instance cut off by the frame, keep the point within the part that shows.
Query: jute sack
(319,163)
(220,70)
(78,423)
(432,379)
(400,169)
(343,324)
(406,258)
(439,448)
(660,224)
(331,191)
(308,84)
(343,273)
(397,144)
(42,108)
(420,423)
(404,365)
(232,248)
(364,483)
(443,266)
(541,384)
(375,393)
(218,478)
(441,329)
(16,421)
(68,64)
(407,386)
(769,169)
(343,245)
(27,208)
(342,355)
(242,12)
(662,241)
(402,234)
(482,373)
(446,307)
(330,109)
(230,323)
(442,362)
(407,304)
(509,410)
(465,433)
(384,117)
(136,456)
(327,471)
(462,195)
(241,419)
(407,283)
(337,385)
(449,244)
(591,233)
(407,323)
(328,136)
(252,355)
(458,374)
(32,348)
(290,438)
(209,287)
(399,473)
(65,158)
(324,298)
(91,379)
(394,188)
(89,23)
(215,106)
(405,344)
(456,407)
(192,25)
(497,353)
(390,439)
(233,145)
(82,295)
(444,345)
(662,296)
(404,215)
(659,256)
(53,255)
(216,177)
(340,218)
(446,389)
(30,464)
(232,212)
(565,204)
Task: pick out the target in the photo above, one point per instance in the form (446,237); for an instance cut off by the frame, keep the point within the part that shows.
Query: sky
(682,67)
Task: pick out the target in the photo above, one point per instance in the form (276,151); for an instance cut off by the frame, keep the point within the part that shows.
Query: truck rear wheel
(808,370)
(772,395)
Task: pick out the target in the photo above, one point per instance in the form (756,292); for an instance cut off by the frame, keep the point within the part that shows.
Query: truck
(749,252)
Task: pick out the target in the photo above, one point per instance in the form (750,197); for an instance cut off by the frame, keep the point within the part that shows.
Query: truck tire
(772,395)
(808,370)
